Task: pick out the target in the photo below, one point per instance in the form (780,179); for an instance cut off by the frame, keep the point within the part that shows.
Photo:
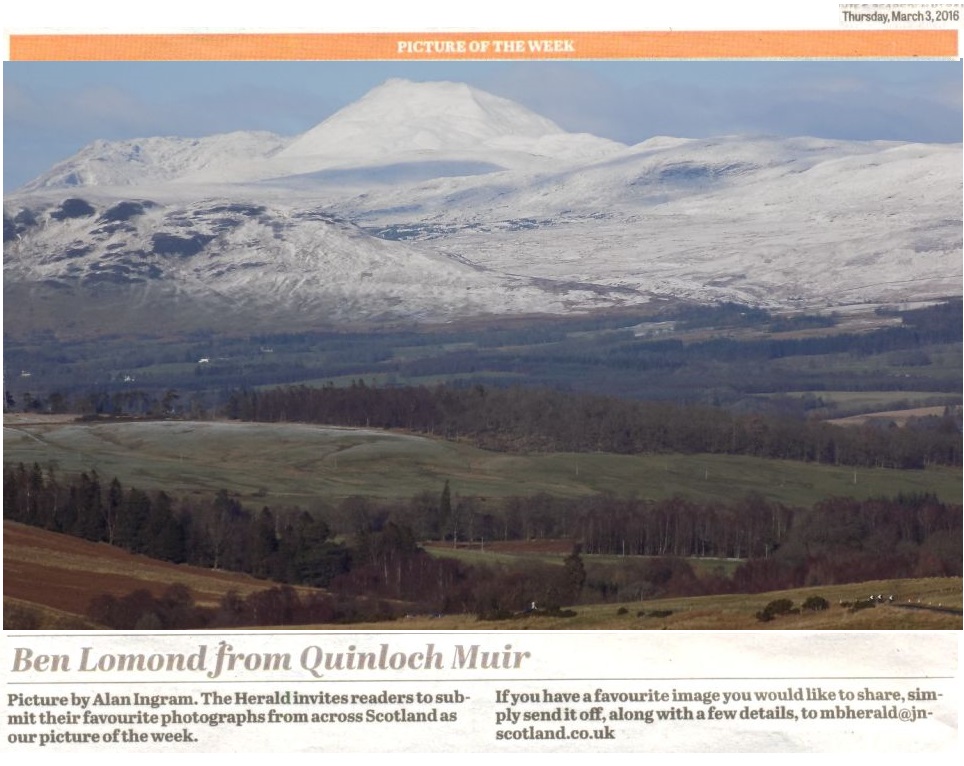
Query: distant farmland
(295,463)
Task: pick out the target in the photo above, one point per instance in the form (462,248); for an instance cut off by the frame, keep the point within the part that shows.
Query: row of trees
(381,560)
(287,545)
(522,419)
(917,355)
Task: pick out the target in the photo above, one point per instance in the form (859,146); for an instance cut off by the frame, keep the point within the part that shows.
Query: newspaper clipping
(628,672)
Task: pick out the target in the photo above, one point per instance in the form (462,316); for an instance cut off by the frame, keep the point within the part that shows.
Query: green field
(296,463)
(482,555)
(870,401)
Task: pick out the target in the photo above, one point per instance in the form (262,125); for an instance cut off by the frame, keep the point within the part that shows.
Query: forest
(523,419)
(738,357)
(371,558)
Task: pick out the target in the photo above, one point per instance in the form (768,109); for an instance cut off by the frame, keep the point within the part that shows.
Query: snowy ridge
(262,258)
(436,201)
(146,161)
(397,122)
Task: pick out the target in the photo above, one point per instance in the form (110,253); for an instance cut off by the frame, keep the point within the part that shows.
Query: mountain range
(435,201)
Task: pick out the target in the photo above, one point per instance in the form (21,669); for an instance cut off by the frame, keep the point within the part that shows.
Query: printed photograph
(581,345)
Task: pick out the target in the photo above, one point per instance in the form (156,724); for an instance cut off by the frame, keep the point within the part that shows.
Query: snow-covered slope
(774,221)
(274,260)
(149,161)
(436,200)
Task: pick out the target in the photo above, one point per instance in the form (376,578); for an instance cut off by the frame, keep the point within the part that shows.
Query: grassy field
(512,552)
(734,612)
(52,577)
(294,464)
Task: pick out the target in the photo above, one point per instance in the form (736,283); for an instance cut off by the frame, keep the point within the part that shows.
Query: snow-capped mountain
(403,121)
(432,201)
(398,123)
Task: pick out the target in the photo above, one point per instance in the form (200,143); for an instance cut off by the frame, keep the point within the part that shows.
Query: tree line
(368,553)
(602,353)
(524,419)
(288,545)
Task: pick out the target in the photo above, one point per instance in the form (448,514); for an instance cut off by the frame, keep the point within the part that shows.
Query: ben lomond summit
(397,122)
(402,119)
(435,201)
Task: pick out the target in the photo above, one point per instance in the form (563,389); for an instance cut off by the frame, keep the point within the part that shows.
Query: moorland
(679,467)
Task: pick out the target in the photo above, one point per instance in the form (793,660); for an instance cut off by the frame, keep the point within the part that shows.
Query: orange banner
(836,44)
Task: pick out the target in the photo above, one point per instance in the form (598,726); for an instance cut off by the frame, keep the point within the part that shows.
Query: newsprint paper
(506,692)
(530,692)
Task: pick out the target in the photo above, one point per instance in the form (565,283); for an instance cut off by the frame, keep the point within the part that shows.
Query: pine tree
(444,511)
(575,573)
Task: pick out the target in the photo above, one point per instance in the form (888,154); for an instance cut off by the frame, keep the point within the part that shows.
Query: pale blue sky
(52,110)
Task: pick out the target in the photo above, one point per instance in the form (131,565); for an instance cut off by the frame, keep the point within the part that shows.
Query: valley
(438,362)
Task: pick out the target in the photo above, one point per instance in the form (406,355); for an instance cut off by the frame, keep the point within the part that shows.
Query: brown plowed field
(65,573)
(900,417)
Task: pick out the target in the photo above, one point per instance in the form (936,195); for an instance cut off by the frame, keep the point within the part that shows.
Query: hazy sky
(51,110)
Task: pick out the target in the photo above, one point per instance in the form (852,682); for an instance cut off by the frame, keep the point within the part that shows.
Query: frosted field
(279,464)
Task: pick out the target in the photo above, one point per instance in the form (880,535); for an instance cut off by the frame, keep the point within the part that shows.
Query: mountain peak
(401,116)
(439,126)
